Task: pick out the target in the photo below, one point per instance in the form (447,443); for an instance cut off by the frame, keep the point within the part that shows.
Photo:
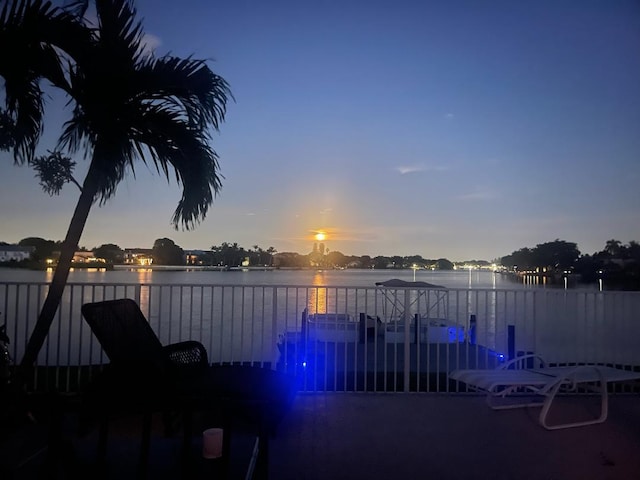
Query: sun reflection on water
(318,296)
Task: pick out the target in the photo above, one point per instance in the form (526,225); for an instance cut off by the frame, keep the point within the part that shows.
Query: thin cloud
(410,169)
(149,44)
(449,116)
(405,169)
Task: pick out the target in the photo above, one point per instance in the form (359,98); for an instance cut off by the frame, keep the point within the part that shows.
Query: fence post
(473,324)
(407,342)
(137,296)
(511,341)
(274,326)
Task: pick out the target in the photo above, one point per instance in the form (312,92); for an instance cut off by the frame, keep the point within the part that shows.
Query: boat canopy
(401,298)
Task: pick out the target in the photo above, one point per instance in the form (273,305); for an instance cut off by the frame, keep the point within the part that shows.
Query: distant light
(500,356)
(320,236)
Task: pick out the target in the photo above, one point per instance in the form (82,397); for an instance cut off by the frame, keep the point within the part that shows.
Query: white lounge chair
(531,375)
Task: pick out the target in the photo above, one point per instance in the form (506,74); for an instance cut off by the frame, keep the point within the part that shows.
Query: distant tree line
(166,252)
(42,250)
(232,254)
(618,263)
(336,259)
(556,255)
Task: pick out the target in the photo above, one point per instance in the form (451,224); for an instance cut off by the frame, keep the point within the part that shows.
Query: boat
(420,306)
(339,327)
(431,331)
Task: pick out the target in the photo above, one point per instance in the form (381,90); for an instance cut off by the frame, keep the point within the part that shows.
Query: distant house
(196,257)
(138,256)
(15,253)
(85,257)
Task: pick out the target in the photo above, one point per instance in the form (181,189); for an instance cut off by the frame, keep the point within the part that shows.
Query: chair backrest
(125,334)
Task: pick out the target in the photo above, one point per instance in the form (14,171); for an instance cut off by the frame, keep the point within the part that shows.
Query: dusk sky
(456,129)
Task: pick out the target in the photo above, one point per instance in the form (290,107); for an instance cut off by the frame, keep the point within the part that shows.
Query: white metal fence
(398,339)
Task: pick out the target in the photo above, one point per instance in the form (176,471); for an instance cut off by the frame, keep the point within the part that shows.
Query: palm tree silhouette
(128,106)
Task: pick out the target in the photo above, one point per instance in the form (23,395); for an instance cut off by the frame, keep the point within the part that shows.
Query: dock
(378,365)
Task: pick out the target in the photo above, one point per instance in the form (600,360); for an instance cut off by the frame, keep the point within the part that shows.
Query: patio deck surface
(412,436)
(390,436)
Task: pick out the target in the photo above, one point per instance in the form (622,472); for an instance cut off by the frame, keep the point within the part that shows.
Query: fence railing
(341,338)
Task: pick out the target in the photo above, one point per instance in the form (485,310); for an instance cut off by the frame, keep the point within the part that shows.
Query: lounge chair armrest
(190,353)
(571,379)
(513,361)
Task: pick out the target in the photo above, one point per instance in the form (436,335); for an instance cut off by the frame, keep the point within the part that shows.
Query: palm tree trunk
(54,295)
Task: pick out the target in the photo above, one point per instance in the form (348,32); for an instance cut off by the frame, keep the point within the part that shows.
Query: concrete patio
(387,436)
(396,436)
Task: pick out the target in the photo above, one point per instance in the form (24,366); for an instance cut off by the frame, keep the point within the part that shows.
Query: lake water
(332,278)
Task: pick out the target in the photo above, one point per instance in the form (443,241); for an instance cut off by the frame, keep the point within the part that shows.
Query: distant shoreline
(211,268)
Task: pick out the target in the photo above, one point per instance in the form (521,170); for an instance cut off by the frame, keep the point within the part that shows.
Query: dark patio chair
(144,376)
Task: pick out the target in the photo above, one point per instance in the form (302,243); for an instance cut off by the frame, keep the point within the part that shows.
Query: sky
(458,129)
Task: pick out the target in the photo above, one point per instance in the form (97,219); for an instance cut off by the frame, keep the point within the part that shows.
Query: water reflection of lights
(414,267)
(318,296)
(50,270)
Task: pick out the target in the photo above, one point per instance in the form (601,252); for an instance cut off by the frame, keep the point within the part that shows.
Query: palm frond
(112,156)
(25,105)
(202,93)
(77,7)
(120,33)
(36,31)
(77,135)
(7,137)
(173,142)
(126,106)
(196,167)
